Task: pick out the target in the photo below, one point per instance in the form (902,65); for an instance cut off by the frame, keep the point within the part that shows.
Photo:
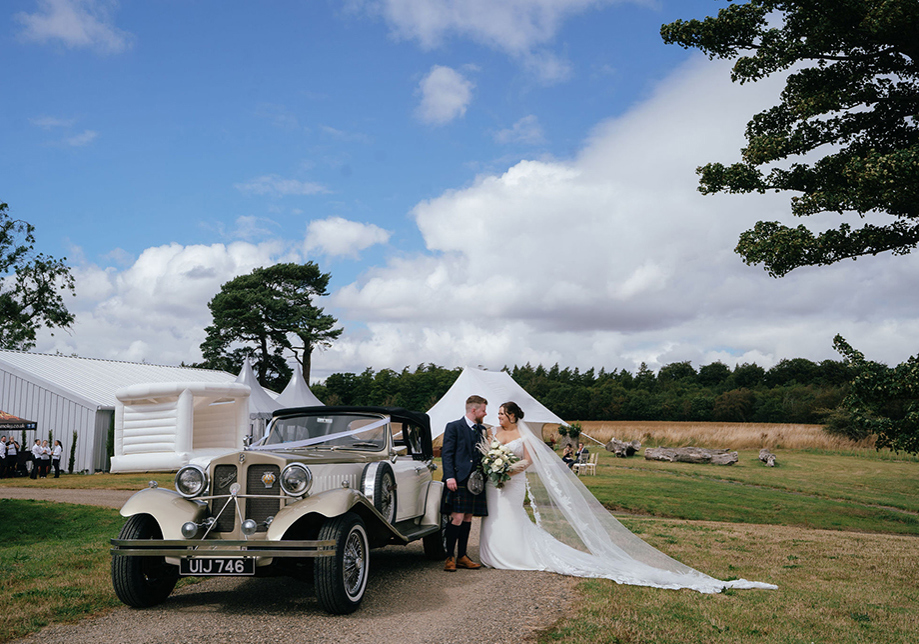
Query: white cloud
(516,26)
(249,228)
(156,308)
(614,258)
(76,23)
(120,256)
(276,186)
(338,237)
(342,135)
(84,138)
(526,130)
(445,95)
(51,122)
(279,115)
(520,28)
(609,259)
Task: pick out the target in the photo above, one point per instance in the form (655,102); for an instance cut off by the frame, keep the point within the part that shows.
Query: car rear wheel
(435,545)
(342,579)
(142,581)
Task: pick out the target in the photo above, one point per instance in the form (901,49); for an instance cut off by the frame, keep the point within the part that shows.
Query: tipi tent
(297,392)
(496,387)
(261,403)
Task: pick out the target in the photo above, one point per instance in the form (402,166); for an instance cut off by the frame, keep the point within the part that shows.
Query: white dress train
(510,540)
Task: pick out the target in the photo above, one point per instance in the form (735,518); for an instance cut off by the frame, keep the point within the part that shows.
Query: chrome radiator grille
(260,509)
(256,509)
(224,477)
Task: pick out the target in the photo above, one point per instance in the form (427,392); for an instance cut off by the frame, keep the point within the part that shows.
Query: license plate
(213,566)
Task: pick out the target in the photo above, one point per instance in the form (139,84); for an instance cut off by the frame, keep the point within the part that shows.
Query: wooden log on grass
(621,448)
(691,455)
(767,457)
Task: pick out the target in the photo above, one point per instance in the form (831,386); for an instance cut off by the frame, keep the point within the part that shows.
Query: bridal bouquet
(497,461)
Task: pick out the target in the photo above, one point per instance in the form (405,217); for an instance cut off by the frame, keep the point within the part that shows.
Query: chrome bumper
(220,548)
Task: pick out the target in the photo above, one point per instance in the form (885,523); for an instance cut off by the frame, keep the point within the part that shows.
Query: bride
(571,532)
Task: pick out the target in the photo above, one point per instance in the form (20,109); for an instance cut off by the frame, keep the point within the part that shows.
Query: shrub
(73,452)
(574,431)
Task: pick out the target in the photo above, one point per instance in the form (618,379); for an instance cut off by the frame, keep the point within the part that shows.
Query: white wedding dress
(571,532)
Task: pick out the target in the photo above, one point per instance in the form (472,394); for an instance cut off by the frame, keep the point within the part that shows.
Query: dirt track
(409,600)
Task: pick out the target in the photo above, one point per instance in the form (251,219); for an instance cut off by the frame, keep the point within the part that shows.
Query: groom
(460,457)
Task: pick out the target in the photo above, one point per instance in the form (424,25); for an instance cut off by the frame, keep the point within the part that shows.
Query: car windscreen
(341,431)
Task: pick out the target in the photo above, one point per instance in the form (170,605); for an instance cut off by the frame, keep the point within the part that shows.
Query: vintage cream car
(323,487)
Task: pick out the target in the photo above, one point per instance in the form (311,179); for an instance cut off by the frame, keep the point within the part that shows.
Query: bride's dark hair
(513,409)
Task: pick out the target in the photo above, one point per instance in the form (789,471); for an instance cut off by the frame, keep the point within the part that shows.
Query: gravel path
(409,600)
(105,498)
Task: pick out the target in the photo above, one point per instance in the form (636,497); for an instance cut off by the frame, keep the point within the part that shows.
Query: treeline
(795,390)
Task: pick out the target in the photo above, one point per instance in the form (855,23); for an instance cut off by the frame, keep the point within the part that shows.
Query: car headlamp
(296,479)
(191,481)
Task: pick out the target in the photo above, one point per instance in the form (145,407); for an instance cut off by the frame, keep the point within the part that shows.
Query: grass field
(835,526)
(54,561)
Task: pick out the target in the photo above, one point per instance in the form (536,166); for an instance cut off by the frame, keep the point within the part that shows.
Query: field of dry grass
(714,435)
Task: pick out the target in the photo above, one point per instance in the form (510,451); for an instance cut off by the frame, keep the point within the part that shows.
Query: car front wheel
(342,579)
(378,482)
(142,581)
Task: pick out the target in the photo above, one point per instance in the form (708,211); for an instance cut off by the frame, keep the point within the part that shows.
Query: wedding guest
(21,459)
(582,453)
(567,456)
(56,458)
(44,458)
(2,457)
(12,458)
(36,458)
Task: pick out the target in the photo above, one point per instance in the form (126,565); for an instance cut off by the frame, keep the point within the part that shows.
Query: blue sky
(489,182)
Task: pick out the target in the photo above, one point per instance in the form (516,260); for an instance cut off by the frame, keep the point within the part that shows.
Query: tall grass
(715,435)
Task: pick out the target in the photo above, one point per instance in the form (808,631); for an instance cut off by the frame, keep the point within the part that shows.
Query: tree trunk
(621,448)
(691,455)
(767,457)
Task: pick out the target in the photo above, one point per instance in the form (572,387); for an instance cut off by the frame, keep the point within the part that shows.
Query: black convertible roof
(398,414)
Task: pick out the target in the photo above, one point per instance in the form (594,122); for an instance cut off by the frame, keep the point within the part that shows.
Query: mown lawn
(839,587)
(837,532)
(54,562)
(829,491)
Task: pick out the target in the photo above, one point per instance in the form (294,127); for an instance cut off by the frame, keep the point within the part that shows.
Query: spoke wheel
(142,581)
(342,579)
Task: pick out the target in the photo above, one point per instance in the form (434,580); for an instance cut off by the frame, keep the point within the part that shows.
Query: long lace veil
(566,509)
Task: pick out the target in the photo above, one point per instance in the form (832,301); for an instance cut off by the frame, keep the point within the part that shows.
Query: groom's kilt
(464,501)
